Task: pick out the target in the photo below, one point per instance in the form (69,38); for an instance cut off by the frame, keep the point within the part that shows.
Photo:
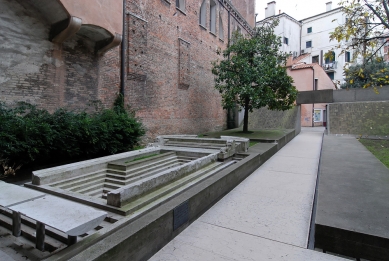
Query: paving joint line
(252,235)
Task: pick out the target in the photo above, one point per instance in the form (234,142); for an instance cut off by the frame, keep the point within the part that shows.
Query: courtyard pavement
(266,217)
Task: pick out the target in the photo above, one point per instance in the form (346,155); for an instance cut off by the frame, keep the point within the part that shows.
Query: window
(331,75)
(330,57)
(180,4)
(308,44)
(221,30)
(286,41)
(309,30)
(203,14)
(316,84)
(347,57)
(212,18)
(315,59)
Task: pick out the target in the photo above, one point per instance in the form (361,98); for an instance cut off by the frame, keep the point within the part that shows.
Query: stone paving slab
(13,194)
(353,204)
(266,217)
(202,241)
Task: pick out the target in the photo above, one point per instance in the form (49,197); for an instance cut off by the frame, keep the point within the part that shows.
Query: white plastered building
(312,35)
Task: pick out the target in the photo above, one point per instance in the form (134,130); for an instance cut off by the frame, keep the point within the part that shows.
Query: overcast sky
(298,9)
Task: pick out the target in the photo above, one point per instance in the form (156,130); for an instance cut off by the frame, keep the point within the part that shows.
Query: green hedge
(32,135)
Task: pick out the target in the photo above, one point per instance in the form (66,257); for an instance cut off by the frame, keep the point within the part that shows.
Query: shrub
(32,135)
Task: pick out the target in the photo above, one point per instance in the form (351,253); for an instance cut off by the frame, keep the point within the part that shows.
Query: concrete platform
(353,208)
(266,217)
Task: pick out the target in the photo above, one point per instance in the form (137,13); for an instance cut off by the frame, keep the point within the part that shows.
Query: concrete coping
(51,175)
(134,190)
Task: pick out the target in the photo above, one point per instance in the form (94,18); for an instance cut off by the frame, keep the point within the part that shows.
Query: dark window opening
(347,57)
(308,44)
(315,59)
(286,41)
(309,30)
(331,75)
(330,57)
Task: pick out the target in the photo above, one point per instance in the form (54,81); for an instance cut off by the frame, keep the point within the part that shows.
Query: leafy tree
(365,32)
(365,75)
(253,74)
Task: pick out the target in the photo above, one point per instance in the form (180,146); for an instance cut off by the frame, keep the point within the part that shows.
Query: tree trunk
(246,114)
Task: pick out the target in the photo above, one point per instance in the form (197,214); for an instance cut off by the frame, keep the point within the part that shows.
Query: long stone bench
(71,218)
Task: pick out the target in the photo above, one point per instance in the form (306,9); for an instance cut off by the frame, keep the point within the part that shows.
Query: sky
(298,9)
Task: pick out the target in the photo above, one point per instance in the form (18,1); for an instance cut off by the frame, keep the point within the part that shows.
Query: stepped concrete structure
(141,198)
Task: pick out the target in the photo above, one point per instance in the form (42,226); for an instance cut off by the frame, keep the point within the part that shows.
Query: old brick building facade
(169,47)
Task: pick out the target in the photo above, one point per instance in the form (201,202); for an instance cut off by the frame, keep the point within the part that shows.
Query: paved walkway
(266,217)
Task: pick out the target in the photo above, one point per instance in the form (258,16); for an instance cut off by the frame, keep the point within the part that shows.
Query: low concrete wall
(358,118)
(358,95)
(309,97)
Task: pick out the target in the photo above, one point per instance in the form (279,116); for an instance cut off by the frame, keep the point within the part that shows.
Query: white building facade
(311,36)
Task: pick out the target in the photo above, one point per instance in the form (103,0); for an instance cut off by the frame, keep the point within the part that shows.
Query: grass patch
(379,148)
(273,134)
(252,143)
(143,157)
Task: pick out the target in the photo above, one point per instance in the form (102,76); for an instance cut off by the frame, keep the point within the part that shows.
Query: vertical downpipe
(123,52)
(313,104)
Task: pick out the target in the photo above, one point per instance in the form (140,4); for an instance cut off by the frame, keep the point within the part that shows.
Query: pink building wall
(107,14)
(303,76)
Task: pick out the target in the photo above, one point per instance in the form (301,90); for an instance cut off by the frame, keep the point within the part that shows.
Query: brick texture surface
(168,77)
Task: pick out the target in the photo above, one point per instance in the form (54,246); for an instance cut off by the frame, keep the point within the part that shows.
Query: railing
(332,66)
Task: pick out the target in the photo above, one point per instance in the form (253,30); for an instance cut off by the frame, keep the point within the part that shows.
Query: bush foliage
(32,135)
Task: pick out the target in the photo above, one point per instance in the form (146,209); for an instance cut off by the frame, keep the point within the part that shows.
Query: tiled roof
(299,58)
(302,66)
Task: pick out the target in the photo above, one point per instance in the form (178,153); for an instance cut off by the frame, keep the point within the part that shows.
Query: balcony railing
(330,67)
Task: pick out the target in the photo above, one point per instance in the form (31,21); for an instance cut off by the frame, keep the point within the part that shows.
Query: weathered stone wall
(35,70)
(247,9)
(359,118)
(267,119)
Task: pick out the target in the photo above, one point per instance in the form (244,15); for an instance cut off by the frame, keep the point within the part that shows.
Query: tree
(364,75)
(365,32)
(253,73)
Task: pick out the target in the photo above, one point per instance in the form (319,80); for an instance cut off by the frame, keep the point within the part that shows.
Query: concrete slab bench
(71,218)
(12,194)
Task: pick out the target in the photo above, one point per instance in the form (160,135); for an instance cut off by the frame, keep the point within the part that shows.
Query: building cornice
(238,17)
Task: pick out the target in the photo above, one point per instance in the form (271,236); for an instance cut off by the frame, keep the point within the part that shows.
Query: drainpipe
(313,89)
(123,52)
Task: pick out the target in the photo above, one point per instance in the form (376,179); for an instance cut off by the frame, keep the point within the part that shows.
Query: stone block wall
(266,119)
(359,118)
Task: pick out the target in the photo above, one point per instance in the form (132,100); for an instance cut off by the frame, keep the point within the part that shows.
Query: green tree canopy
(365,33)
(253,73)
(365,75)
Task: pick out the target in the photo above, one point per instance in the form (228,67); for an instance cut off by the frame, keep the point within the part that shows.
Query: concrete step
(123,166)
(195,145)
(145,165)
(87,184)
(178,186)
(103,190)
(146,172)
(75,183)
(155,172)
(187,158)
(78,178)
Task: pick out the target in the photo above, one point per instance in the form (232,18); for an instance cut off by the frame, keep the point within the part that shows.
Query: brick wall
(169,80)
(49,75)
(359,118)
(168,65)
